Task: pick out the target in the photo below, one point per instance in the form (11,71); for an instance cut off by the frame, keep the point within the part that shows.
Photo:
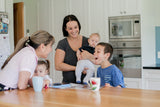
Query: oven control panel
(126,44)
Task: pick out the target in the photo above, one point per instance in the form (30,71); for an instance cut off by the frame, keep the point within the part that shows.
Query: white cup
(94,83)
(37,82)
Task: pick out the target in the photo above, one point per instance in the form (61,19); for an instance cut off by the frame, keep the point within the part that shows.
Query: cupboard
(123,7)
(2,5)
(133,83)
(151,79)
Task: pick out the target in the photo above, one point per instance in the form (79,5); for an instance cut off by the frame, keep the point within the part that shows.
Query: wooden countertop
(106,97)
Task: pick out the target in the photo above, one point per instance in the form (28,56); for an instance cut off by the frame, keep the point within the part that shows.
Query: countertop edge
(147,67)
(153,66)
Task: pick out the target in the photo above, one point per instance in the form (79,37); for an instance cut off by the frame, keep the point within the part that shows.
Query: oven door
(128,61)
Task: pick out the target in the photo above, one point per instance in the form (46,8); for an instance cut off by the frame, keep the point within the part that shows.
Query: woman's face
(72,28)
(46,50)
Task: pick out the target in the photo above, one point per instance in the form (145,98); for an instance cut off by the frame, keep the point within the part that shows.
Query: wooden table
(106,97)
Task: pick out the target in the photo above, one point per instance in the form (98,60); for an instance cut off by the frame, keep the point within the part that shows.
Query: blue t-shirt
(111,75)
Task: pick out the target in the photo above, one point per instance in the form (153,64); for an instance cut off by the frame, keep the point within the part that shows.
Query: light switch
(158,54)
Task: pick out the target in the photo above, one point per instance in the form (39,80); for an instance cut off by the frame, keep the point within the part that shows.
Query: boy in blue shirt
(109,74)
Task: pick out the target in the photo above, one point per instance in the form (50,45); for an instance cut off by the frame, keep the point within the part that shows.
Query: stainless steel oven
(127,57)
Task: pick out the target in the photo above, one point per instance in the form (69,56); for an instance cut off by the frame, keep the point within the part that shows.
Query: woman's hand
(78,54)
(85,70)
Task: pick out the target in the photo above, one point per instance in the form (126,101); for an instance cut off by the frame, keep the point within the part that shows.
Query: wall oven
(125,37)
(127,57)
(124,27)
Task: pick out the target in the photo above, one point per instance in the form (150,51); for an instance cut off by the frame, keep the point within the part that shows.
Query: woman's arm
(59,62)
(23,80)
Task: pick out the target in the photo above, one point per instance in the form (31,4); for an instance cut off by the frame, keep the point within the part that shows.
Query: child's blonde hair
(94,34)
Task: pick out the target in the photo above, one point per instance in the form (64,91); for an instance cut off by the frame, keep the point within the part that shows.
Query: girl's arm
(59,64)
(46,82)
(23,80)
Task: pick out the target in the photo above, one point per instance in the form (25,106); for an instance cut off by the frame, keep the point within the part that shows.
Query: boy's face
(40,70)
(100,56)
(93,40)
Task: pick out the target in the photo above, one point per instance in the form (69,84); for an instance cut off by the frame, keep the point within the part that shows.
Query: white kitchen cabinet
(151,79)
(2,5)
(123,7)
(133,83)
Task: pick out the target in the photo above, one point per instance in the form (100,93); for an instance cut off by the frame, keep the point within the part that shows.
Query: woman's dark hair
(107,48)
(66,20)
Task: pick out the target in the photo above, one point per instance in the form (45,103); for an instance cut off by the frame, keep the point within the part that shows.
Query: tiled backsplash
(157,44)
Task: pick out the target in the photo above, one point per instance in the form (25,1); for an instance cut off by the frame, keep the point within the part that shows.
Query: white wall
(50,19)
(98,18)
(150,17)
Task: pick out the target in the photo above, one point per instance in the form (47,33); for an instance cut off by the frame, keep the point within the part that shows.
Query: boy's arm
(86,55)
(119,86)
(108,85)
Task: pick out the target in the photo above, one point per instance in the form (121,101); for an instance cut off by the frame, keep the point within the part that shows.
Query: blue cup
(37,82)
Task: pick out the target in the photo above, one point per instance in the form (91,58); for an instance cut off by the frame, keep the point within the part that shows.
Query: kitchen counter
(154,66)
